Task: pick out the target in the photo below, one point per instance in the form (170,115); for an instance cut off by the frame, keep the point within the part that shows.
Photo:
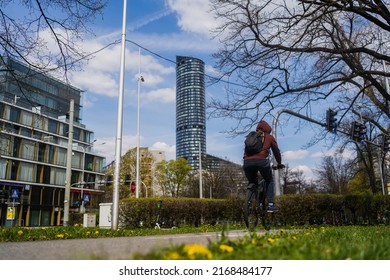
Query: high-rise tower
(190,110)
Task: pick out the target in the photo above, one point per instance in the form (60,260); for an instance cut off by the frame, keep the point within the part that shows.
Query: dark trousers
(252,167)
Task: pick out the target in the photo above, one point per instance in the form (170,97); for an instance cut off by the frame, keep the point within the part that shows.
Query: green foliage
(172,176)
(303,209)
(315,243)
(176,212)
(333,209)
(12,234)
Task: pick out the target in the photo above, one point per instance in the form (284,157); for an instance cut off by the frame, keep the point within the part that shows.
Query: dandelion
(196,249)
(226,248)
(271,240)
(20,232)
(173,256)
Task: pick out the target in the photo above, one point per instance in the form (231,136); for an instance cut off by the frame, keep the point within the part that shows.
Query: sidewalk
(118,248)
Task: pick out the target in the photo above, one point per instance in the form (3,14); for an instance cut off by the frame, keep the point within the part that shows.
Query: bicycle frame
(256,204)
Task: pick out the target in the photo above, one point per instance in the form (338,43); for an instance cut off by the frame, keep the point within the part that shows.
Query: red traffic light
(132,187)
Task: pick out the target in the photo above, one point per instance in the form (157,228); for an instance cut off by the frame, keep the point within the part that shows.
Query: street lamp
(139,79)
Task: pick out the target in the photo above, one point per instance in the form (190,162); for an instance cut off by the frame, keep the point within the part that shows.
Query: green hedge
(294,210)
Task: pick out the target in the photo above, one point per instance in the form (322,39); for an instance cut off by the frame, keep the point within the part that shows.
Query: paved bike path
(116,248)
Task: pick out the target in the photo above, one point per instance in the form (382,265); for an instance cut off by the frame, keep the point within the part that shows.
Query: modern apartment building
(190,110)
(34,127)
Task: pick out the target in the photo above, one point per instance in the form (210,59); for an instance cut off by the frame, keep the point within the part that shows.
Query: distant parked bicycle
(256,205)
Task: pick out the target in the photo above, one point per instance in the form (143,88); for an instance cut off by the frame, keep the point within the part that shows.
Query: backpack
(254,142)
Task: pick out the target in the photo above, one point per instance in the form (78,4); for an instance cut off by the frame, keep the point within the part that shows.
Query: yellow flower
(196,249)
(60,236)
(97,232)
(226,248)
(271,240)
(173,256)
(294,237)
(20,232)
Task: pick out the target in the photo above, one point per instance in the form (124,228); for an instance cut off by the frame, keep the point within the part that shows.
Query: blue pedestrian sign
(87,198)
(15,194)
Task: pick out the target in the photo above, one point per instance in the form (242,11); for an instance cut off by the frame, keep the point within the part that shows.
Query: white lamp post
(118,143)
(139,79)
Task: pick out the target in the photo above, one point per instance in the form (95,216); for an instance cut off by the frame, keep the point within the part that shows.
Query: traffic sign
(15,194)
(87,198)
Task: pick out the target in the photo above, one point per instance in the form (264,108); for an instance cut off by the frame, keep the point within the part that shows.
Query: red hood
(264,126)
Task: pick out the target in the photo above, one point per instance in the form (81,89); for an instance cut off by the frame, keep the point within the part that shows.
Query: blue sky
(166,28)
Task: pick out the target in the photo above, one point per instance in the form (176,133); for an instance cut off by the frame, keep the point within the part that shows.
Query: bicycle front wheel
(251,210)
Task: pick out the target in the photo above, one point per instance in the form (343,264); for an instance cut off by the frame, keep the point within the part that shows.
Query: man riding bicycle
(260,162)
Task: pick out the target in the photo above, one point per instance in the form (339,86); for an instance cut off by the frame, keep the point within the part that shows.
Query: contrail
(149,18)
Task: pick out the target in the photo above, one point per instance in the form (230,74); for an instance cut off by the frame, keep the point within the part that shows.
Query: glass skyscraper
(190,110)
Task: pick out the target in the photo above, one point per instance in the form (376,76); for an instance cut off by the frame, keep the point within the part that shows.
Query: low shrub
(303,209)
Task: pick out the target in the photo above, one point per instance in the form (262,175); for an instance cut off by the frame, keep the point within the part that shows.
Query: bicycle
(256,205)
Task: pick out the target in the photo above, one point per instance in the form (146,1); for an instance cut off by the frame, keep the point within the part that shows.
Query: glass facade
(33,149)
(190,110)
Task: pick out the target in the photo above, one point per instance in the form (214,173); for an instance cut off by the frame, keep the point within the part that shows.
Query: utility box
(89,220)
(105,215)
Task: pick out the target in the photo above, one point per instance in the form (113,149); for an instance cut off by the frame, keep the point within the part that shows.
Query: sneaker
(272,208)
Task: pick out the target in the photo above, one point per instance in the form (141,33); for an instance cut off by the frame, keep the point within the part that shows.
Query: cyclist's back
(260,162)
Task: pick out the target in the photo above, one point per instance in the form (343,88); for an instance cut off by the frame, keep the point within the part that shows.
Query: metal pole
(82,183)
(274,132)
(118,145)
(82,208)
(68,176)
(140,79)
(200,172)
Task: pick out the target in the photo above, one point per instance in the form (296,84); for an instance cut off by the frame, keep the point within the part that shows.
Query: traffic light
(331,120)
(358,132)
(362,133)
(385,143)
(132,187)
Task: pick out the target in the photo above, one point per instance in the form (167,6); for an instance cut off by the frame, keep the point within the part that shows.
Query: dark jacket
(269,143)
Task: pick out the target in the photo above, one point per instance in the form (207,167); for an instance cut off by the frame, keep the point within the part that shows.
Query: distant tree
(334,174)
(129,167)
(172,176)
(359,184)
(224,182)
(28,28)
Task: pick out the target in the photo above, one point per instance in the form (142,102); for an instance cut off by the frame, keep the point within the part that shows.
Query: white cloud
(194,16)
(307,171)
(293,155)
(163,95)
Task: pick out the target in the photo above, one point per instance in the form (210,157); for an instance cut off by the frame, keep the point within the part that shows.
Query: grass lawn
(315,243)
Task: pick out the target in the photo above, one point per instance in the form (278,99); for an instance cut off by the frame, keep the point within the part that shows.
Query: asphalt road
(118,248)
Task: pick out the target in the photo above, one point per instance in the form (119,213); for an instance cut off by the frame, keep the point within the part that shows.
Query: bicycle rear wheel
(250,210)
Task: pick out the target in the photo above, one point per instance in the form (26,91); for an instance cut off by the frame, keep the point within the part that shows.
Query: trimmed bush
(304,209)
